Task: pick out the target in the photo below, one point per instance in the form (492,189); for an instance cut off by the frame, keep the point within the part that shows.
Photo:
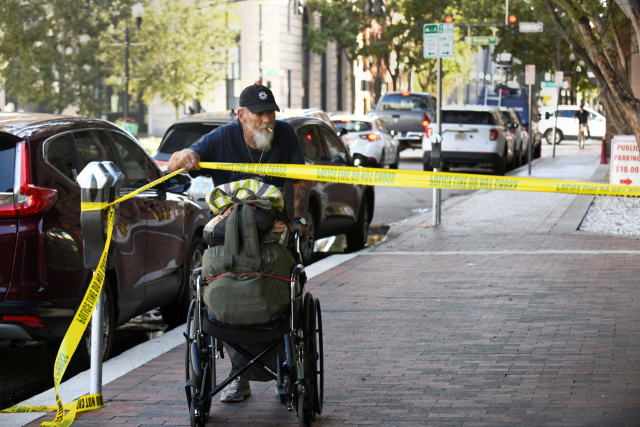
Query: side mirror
(547,115)
(514,125)
(539,116)
(343,131)
(178,184)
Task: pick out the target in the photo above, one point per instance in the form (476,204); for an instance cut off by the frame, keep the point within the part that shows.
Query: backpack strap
(231,244)
(250,231)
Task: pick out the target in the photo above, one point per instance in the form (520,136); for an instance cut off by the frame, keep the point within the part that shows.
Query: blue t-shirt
(226,144)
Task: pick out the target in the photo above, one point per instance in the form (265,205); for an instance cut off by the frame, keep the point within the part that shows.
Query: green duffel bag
(243,294)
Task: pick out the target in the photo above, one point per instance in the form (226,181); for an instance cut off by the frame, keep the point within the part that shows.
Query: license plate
(461,137)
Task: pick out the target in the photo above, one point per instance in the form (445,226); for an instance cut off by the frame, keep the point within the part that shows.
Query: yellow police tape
(78,325)
(419,179)
(339,174)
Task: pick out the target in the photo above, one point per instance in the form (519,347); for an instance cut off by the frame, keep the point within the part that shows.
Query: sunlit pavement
(490,319)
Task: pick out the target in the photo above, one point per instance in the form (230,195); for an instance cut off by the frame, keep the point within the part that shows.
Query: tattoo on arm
(301,200)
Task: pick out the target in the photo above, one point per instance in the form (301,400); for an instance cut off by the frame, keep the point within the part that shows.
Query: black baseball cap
(258,98)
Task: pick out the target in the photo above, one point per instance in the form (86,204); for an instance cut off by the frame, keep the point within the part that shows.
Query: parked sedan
(369,136)
(42,276)
(333,208)
(472,135)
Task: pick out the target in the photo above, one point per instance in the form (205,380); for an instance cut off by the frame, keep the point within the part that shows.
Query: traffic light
(513,25)
(448,19)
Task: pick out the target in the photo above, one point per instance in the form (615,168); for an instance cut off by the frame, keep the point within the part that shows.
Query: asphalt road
(28,370)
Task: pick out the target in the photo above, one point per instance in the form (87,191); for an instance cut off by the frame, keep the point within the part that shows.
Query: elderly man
(256,137)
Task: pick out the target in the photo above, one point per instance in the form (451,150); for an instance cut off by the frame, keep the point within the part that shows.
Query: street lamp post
(137,11)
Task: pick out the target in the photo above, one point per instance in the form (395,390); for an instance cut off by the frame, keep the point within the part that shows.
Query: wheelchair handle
(296,241)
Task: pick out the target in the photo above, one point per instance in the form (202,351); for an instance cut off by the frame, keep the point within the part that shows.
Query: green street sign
(481,41)
(431,28)
(544,85)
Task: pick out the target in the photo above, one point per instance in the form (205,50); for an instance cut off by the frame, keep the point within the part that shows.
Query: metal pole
(555,126)
(506,14)
(437,191)
(260,42)
(96,346)
(530,128)
(126,74)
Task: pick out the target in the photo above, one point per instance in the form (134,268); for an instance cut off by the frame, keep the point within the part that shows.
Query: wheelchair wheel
(314,362)
(198,370)
(304,412)
(318,352)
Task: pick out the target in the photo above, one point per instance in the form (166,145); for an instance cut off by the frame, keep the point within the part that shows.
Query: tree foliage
(52,52)
(595,30)
(181,52)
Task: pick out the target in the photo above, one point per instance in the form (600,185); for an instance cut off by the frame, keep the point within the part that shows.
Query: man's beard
(262,140)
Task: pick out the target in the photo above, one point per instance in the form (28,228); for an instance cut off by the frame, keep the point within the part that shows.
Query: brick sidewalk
(482,339)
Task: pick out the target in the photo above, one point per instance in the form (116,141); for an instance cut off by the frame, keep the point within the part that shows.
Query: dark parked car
(42,275)
(333,208)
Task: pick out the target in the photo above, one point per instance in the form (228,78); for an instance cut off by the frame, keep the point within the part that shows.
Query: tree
(343,22)
(182,53)
(52,52)
(600,28)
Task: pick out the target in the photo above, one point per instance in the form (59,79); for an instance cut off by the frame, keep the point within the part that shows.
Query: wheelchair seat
(236,335)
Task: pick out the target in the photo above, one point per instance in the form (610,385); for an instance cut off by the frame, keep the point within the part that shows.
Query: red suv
(42,275)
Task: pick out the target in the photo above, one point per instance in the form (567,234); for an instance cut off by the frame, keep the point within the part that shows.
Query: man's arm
(187,159)
(300,206)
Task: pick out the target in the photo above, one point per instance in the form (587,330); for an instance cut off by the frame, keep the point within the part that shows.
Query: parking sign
(530,75)
(438,41)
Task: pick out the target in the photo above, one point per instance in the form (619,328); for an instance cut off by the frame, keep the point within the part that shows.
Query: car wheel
(175,313)
(426,162)
(501,169)
(357,238)
(537,152)
(307,248)
(396,164)
(81,360)
(548,136)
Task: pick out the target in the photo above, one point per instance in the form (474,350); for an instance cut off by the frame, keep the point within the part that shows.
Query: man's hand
(304,231)
(187,159)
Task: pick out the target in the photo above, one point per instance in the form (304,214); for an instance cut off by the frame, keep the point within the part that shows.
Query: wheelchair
(296,344)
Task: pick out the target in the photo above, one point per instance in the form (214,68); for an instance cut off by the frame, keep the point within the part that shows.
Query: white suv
(472,135)
(567,126)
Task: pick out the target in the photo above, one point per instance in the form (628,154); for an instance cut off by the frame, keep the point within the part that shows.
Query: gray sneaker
(236,391)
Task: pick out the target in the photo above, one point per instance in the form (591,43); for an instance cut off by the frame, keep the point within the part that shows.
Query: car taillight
(30,321)
(428,132)
(161,162)
(370,137)
(27,198)
(425,122)
(493,134)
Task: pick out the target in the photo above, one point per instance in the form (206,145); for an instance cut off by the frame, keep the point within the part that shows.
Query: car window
(515,117)
(505,114)
(407,102)
(7,160)
(59,154)
(311,142)
(337,152)
(384,127)
(139,170)
(353,125)
(92,146)
(567,113)
(466,117)
(184,136)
